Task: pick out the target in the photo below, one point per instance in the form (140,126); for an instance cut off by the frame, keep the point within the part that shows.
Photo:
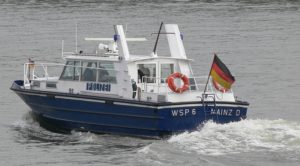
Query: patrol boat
(112,91)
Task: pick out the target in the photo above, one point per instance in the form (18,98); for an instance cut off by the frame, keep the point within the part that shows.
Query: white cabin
(111,71)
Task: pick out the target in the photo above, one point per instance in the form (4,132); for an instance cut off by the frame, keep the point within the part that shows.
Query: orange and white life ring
(173,87)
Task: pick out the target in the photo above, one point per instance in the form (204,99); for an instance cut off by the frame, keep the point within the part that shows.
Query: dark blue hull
(65,112)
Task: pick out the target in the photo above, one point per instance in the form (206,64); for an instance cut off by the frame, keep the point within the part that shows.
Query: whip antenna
(154,49)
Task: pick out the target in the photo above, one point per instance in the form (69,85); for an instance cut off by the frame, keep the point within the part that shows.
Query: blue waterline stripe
(100,113)
(97,124)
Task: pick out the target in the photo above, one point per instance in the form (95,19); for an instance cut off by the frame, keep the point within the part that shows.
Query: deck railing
(38,71)
(51,71)
(159,85)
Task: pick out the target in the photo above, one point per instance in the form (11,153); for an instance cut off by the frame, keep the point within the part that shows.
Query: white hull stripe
(200,105)
(33,94)
(134,105)
(79,99)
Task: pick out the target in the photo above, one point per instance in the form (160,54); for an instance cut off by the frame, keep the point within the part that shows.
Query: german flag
(221,75)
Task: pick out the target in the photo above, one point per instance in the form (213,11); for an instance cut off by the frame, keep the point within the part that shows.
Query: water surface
(258,40)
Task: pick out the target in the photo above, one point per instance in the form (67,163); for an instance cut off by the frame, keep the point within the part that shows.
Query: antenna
(76,44)
(154,49)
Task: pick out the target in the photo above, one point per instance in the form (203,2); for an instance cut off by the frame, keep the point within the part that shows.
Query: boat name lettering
(183,112)
(225,112)
(98,86)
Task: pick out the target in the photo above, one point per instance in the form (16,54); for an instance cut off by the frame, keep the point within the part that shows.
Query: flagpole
(209,73)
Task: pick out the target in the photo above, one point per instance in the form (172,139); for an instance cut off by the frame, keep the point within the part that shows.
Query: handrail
(157,84)
(30,70)
(60,64)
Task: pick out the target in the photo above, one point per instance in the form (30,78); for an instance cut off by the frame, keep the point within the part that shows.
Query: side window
(165,71)
(71,71)
(89,71)
(106,72)
(147,73)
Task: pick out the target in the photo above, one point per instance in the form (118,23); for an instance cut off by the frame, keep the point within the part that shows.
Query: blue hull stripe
(93,112)
(151,136)
(98,124)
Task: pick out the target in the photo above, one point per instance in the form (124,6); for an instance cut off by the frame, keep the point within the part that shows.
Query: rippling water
(258,40)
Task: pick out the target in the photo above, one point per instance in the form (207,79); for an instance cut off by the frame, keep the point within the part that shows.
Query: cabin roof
(93,57)
(133,58)
(136,58)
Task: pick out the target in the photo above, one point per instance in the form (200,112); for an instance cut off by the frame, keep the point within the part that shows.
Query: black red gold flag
(221,75)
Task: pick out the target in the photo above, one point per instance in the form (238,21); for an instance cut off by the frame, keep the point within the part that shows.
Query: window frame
(148,63)
(73,70)
(113,69)
(160,69)
(92,68)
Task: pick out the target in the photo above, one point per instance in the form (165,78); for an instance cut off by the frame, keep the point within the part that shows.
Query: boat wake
(245,136)
(260,135)
(28,131)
